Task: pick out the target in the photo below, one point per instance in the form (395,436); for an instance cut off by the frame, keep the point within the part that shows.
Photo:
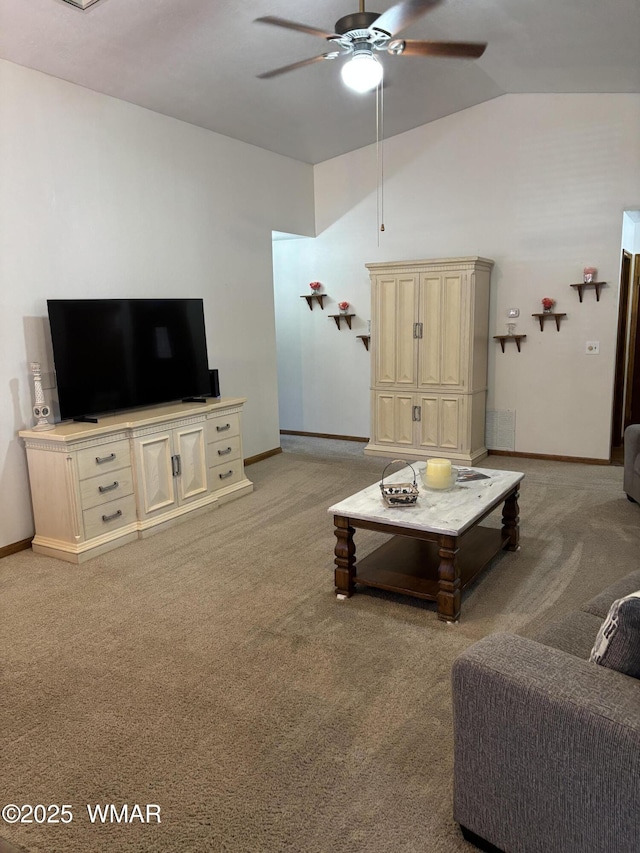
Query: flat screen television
(115,354)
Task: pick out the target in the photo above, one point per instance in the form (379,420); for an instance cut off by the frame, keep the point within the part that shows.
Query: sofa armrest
(631,477)
(547,749)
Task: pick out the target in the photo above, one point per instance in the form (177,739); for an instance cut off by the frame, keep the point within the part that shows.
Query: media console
(95,487)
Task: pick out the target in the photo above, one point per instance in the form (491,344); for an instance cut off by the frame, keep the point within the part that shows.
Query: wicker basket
(399,494)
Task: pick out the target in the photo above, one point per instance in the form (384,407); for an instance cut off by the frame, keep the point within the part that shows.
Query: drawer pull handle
(116,514)
(224,476)
(101,459)
(103,489)
(224,452)
(176,465)
(223,428)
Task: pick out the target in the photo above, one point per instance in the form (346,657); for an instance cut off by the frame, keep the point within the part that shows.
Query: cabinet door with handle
(394,417)
(155,469)
(189,446)
(396,330)
(441,426)
(441,314)
(171,469)
(428,434)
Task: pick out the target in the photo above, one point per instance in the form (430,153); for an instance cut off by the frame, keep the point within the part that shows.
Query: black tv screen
(113,354)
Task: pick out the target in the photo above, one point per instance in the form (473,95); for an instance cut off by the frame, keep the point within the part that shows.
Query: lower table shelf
(410,566)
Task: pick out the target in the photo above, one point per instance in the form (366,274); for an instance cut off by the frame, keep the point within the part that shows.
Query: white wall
(100,198)
(539,183)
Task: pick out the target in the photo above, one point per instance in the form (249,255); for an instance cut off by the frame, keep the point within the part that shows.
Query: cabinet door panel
(384,426)
(450,413)
(430,315)
(404,419)
(190,446)
(385,309)
(394,419)
(395,346)
(428,422)
(405,342)
(155,473)
(451,319)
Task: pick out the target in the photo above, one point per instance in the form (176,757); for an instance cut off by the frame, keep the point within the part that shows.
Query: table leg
(448,580)
(345,552)
(510,520)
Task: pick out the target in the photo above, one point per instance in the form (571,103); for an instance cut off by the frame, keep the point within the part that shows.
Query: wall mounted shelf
(543,317)
(595,284)
(345,317)
(503,338)
(311,297)
(365,340)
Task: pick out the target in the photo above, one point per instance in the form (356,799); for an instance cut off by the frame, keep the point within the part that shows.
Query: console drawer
(223,426)
(110,516)
(105,457)
(226,474)
(223,451)
(110,486)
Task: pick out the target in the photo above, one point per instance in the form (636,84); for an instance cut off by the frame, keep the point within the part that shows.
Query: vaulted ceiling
(198,61)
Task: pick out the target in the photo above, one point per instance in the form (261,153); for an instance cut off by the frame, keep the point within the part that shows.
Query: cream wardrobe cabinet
(429,348)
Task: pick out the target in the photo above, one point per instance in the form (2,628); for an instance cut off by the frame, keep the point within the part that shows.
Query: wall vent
(500,430)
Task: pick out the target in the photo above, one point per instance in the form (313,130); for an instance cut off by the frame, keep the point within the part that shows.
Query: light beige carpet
(210,669)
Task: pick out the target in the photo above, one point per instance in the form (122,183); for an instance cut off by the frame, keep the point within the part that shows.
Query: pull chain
(380,158)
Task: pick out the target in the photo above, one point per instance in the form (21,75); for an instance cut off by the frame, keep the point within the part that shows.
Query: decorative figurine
(41,409)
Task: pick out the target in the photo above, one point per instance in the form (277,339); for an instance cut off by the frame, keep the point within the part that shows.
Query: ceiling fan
(361,34)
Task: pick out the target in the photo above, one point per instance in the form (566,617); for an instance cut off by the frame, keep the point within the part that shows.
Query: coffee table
(438,547)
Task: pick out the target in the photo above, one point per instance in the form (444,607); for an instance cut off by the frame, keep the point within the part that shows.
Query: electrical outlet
(513,312)
(592,348)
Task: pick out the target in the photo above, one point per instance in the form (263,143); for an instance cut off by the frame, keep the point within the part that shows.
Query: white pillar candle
(439,473)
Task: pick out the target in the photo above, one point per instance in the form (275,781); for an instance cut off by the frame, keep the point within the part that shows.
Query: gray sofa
(631,483)
(547,743)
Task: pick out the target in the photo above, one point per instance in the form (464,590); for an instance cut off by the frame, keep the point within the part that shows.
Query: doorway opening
(290,345)
(626,391)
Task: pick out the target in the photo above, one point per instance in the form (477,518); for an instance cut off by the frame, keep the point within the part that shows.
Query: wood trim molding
(324,435)
(259,457)
(6,550)
(586,460)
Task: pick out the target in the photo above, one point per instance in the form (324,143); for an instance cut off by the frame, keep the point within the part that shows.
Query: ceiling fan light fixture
(362,72)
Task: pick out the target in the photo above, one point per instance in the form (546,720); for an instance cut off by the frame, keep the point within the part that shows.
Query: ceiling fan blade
(457,49)
(292,25)
(285,68)
(399,17)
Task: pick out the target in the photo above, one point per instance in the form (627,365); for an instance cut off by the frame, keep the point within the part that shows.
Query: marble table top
(448,512)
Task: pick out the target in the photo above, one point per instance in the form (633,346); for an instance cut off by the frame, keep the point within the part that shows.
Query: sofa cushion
(574,633)
(601,604)
(617,645)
